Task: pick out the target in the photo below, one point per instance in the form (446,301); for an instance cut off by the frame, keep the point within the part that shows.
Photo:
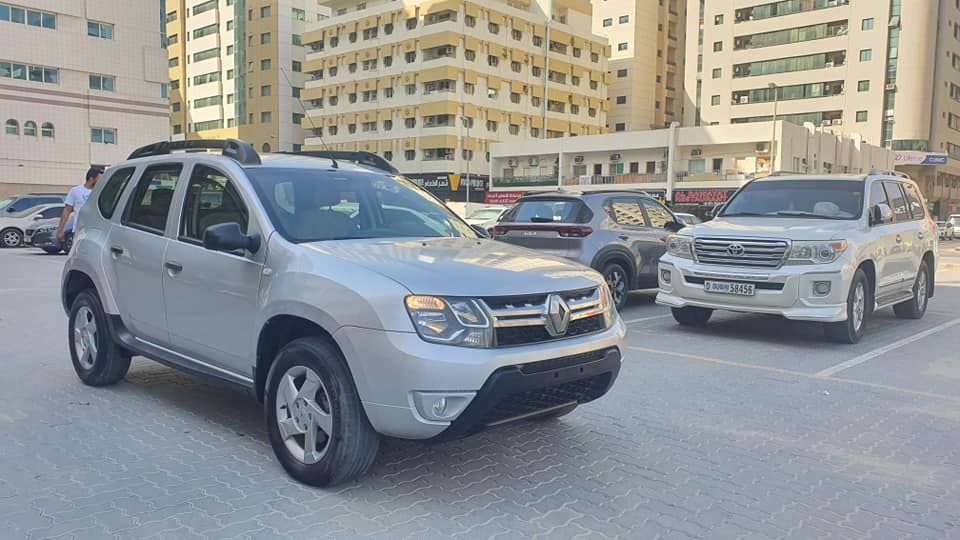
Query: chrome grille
(522,320)
(741,252)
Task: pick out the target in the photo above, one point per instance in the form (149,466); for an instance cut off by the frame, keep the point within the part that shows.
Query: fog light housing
(441,406)
(821,288)
(665,275)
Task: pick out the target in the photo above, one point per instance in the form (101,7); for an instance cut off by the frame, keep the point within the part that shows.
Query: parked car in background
(13,226)
(947,230)
(954,219)
(43,235)
(687,219)
(486,217)
(22,203)
(831,249)
(621,234)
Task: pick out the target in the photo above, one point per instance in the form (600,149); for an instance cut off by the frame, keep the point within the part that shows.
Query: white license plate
(727,287)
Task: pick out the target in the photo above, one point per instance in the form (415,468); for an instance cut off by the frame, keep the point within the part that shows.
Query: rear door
(632,229)
(919,236)
(556,226)
(900,243)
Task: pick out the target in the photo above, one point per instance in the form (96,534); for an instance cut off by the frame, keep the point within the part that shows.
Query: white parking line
(843,366)
(641,319)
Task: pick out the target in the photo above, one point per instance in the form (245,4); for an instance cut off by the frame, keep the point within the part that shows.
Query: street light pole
(468,154)
(773,130)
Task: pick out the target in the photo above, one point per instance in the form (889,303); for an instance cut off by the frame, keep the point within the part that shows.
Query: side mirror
(37,217)
(673,226)
(880,214)
(481,231)
(229,237)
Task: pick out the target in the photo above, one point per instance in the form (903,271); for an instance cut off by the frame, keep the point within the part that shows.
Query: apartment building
(81,83)
(236,69)
(885,70)
(430,84)
(646,61)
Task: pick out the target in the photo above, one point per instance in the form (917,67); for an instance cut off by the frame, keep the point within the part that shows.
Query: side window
(51,200)
(897,201)
(23,204)
(656,214)
(150,203)
(110,195)
(211,200)
(626,212)
(56,211)
(914,201)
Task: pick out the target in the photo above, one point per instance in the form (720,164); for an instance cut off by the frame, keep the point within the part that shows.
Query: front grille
(564,361)
(521,320)
(762,285)
(530,401)
(520,335)
(750,253)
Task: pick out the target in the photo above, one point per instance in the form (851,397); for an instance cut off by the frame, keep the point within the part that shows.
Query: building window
(715,100)
(388,92)
(717,73)
(172,39)
(863,86)
(204,7)
(494,28)
(229,74)
(491,125)
(410,89)
(103,135)
(206,31)
(230,98)
(470,20)
(30,17)
(265,38)
(387,125)
(620,127)
(535,101)
(388,155)
(607,22)
(410,122)
(264,12)
(296,66)
(207,102)
(266,117)
(535,132)
(105,83)
(297,39)
(621,100)
(493,60)
(332,130)
(514,129)
(469,88)
(861,116)
(11,127)
(206,55)
(621,73)
(265,64)
(866,55)
(411,23)
(387,61)
(469,55)
(622,46)
(409,155)
(100,30)
(299,14)
(370,33)
(517,35)
(30,128)
(265,90)
(536,71)
(866,24)
(173,62)
(204,126)
(230,25)
(177,129)
(410,56)
(229,50)
(624,19)
(718,19)
(717,46)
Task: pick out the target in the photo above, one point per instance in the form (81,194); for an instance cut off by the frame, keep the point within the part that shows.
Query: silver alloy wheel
(859,306)
(11,238)
(303,414)
(921,293)
(617,283)
(85,337)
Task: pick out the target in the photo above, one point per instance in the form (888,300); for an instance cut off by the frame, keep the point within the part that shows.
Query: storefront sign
(451,186)
(919,158)
(503,197)
(702,196)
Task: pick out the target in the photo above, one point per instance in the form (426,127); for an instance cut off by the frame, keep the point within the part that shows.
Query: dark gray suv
(621,234)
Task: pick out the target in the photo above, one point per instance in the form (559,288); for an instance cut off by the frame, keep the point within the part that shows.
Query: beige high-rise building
(236,69)
(646,61)
(886,70)
(81,82)
(430,84)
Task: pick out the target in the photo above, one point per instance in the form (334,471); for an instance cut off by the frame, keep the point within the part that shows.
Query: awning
(469,110)
(330,120)
(312,36)
(368,84)
(470,77)
(308,94)
(437,40)
(441,72)
(560,36)
(369,146)
(518,55)
(516,118)
(495,114)
(368,116)
(536,91)
(471,43)
(313,65)
(409,78)
(496,17)
(436,7)
(409,45)
(471,9)
(494,82)
(438,141)
(369,22)
(409,143)
(554,124)
(605,105)
(557,65)
(536,121)
(496,50)
(559,95)
(516,86)
(439,107)
(469,144)
(577,99)
(368,54)
(537,61)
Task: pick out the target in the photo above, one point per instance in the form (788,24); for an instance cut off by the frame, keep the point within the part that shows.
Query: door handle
(920,235)
(173,267)
(116,251)
(623,237)
(899,239)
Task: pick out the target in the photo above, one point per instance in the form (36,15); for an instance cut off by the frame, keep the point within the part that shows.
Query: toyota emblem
(735,250)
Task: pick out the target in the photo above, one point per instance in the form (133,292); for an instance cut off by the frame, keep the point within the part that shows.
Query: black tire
(108,362)
(618,280)
(11,238)
(916,306)
(691,315)
(52,251)
(352,447)
(67,242)
(859,309)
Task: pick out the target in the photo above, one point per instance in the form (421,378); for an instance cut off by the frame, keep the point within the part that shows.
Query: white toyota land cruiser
(815,248)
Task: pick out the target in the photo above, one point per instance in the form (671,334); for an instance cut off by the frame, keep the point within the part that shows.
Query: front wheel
(11,238)
(315,421)
(859,307)
(692,316)
(619,283)
(52,251)
(97,358)
(916,306)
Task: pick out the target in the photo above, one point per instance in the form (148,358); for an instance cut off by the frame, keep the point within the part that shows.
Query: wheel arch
(75,282)
(618,254)
(930,259)
(870,269)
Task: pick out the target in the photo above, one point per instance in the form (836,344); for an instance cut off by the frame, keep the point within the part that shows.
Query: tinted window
(56,211)
(657,215)
(22,204)
(914,201)
(211,199)
(819,199)
(626,212)
(897,201)
(51,200)
(548,211)
(110,195)
(877,196)
(150,203)
(308,205)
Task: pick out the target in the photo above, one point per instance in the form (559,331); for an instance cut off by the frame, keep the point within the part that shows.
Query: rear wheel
(916,306)
(97,358)
(67,242)
(618,281)
(692,316)
(11,238)
(859,307)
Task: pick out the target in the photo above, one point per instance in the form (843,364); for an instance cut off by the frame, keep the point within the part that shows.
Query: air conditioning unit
(614,157)
(696,152)
(533,162)
(890,86)
(744,99)
(513,163)
(828,64)
(762,148)
(837,122)
(578,159)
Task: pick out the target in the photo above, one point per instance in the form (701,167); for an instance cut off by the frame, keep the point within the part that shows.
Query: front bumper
(45,239)
(787,291)
(393,370)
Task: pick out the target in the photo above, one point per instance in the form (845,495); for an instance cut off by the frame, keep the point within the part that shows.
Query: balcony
(613,179)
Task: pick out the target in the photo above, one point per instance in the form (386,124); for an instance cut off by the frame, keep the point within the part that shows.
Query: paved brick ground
(681,448)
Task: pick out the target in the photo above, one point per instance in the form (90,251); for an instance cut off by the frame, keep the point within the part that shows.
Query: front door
(135,252)
(882,240)
(211,296)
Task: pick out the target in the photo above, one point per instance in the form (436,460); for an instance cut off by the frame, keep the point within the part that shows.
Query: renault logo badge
(558,316)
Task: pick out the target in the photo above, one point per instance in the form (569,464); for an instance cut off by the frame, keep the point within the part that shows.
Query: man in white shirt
(76,198)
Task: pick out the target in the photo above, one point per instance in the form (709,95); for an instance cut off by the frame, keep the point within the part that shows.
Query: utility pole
(546,67)
(469,154)
(773,130)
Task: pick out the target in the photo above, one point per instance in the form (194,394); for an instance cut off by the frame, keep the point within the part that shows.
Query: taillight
(574,232)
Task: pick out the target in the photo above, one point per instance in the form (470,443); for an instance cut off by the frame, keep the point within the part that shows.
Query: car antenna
(307,116)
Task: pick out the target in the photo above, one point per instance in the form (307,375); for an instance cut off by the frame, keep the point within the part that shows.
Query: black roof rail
(368,159)
(888,173)
(241,151)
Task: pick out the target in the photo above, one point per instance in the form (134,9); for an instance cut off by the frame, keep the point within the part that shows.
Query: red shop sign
(503,197)
(710,196)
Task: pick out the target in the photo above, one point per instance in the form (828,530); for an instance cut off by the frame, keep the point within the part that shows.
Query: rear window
(548,211)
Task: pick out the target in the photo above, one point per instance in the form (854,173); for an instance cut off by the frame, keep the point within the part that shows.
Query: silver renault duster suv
(349,301)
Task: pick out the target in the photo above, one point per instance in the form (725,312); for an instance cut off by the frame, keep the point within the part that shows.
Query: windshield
(4,203)
(486,213)
(819,199)
(307,205)
(548,211)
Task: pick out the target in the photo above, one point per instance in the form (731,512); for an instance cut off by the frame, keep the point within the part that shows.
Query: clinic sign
(919,158)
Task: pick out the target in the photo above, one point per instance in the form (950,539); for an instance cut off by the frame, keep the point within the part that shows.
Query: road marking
(843,366)
(781,371)
(648,318)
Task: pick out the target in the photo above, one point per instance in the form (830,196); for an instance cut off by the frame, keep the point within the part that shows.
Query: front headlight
(680,246)
(816,252)
(450,321)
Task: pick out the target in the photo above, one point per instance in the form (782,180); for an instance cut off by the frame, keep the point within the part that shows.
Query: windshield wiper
(802,213)
(745,214)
